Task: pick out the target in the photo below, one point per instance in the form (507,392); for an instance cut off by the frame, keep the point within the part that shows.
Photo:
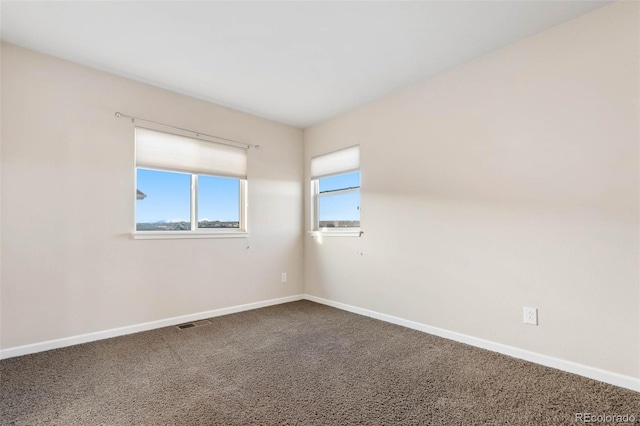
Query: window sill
(350,233)
(172,235)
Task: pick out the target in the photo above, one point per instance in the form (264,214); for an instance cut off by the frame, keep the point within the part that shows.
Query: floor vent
(193,324)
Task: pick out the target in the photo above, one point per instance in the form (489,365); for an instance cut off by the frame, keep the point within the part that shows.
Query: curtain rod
(198,134)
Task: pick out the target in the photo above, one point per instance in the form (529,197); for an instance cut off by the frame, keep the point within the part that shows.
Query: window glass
(343,181)
(339,211)
(165,203)
(338,201)
(218,202)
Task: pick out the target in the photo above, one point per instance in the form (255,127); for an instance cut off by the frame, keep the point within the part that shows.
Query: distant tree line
(183,226)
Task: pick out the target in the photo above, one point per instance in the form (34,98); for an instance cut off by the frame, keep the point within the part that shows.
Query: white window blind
(342,161)
(166,151)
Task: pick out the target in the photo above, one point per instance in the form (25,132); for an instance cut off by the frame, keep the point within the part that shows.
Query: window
(335,185)
(189,186)
(339,201)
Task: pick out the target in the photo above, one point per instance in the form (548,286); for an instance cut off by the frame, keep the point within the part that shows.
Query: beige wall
(69,263)
(509,181)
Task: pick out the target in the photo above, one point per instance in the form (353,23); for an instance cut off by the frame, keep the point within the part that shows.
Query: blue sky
(343,206)
(168,197)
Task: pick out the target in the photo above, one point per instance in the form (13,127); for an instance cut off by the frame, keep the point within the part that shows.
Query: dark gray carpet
(299,363)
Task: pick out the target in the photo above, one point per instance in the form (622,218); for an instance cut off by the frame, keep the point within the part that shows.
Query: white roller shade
(342,161)
(166,151)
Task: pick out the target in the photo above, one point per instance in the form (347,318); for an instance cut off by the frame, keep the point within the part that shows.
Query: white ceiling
(298,63)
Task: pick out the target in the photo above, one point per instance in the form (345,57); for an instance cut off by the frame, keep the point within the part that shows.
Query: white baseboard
(560,364)
(548,361)
(136,328)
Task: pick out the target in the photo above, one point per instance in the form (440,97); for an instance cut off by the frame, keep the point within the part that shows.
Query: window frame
(195,232)
(316,195)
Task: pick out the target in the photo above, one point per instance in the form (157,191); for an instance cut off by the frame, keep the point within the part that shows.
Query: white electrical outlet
(530,315)
(284,277)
